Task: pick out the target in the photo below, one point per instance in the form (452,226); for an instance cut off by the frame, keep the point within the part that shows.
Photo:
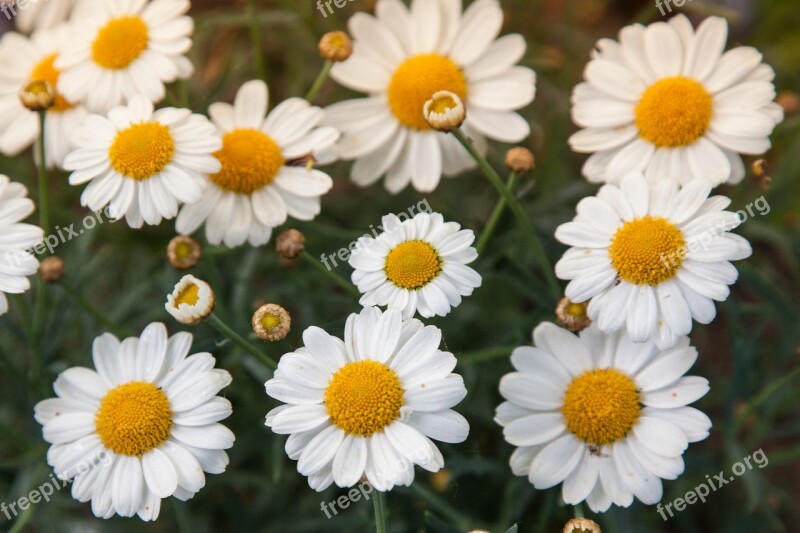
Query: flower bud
(290,244)
(520,160)
(51,270)
(272,322)
(184,252)
(445,111)
(38,95)
(336,46)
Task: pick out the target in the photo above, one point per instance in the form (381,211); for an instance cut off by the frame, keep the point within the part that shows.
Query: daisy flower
(126,48)
(368,406)
(401,59)
(142,427)
(417,265)
(42,14)
(143,163)
(16,240)
(263,179)
(23,60)
(651,256)
(665,100)
(605,416)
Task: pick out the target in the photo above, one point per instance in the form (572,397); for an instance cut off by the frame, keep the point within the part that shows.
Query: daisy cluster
(600,404)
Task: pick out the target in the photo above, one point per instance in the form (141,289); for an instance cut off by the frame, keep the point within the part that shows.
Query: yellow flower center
(416,81)
(363,398)
(674,111)
(647,250)
(250,161)
(120,42)
(270,322)
(189,296)
(413,264)
(576,310)
(443,104)
(601,406)
(184,250)
(142,150)
(45,70)
(134,418)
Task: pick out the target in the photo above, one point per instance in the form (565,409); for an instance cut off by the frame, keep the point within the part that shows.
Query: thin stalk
(338,280)
(486,355)
(516,208)
(578,509)
(763,396)
(497,214)
(44,202)
(240,341)
(255,37)
(379,505)
(320,81)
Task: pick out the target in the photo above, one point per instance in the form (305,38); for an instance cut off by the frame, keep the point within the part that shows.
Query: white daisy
(25,59)
(666,101)
(124,49)
(401,59)
(651,256)
(264,178)
(368,406)
(16,241)
(143,163)
(42,14)
(417,265)
(142,427)
(605,416)
(191,301)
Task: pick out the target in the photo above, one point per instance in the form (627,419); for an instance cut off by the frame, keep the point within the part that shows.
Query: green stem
(578,511)
(98,315)
(255,37)
(44,202)
(497,214)
(240,341)
(338,280)
(516,208)
(756,402)
(320,81)
(380,511)
(486,355)
(444,508)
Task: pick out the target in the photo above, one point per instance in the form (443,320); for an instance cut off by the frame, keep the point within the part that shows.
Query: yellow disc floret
(134,418)
(45,70)
(674,111)
(120,42)
(413,264)
(601,406)
(364,397)
(142,150)
(647,250)
(190,295)
(416,81)
(250,161)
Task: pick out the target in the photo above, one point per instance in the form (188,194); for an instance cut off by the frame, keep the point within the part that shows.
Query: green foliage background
(750,353)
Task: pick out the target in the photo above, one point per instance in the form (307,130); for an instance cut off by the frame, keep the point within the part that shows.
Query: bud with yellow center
(336,46)
(184,252)
(272,322)
(290,244)
(445,111)
(572,316)
(191,302)
(38,95)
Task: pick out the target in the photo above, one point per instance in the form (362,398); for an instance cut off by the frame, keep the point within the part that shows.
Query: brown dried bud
(272,322)
(572,316)
(290,244)
(51,269)
(336,46)
(763,180)
(38,95)
(520,160)
(184,252)
(789,101)
(582,525)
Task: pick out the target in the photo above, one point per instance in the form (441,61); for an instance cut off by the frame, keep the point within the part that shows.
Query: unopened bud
(38,95)
(272,322)
(336,46)
(445,111)
(520,160)
(183,252)
(290,244)
(51,269)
